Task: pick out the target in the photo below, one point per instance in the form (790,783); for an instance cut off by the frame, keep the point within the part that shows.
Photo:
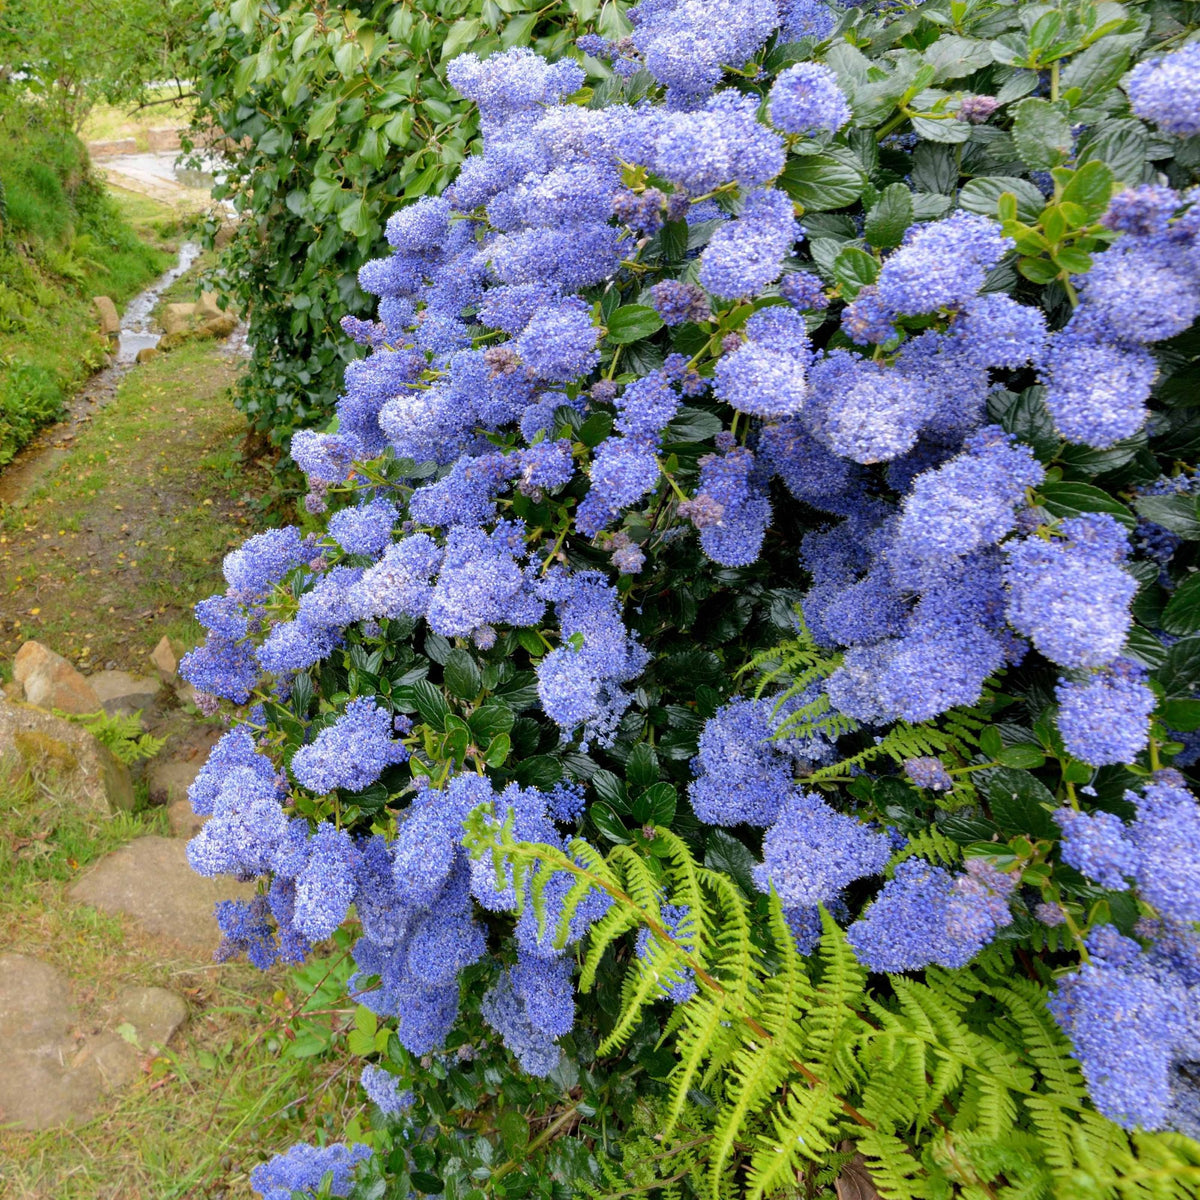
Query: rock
(13,691)
(170,778)
(165,657)
(207,306)
(49,681)
(219,327)
(108,149)
(48,1078)
(185,693)
(93,778)
(155,1013)
(184,822)
(225,235)
(37,1090)
(149,881)
(110,322)
(146,353)
(163,138)
(177,318)
(122,692)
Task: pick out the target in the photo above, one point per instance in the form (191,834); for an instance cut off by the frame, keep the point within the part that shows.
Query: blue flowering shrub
(736,672)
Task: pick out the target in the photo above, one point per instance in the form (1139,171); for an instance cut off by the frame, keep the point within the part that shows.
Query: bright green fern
(957,1084)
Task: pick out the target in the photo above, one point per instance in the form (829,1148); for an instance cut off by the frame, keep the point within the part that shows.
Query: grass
(118,541)
(63,240)
(229,1092)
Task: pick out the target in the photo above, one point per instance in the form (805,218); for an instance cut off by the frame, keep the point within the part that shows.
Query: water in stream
(138,331)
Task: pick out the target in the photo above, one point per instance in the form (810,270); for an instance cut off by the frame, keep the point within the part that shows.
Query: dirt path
(128,529)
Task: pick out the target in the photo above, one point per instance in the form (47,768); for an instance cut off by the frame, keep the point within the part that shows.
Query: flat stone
(94,779)
(117,146)
(37,1088)
(155,1013)
(184,821)
(165,657)
(49,681)
(106,311)
(170,778)
(124,692)
(149,881)
(163,138)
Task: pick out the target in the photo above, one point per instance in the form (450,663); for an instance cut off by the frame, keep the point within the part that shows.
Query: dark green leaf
(1182,716)
(1067,499)
(595,429)
(833,179)
(498,750)
(608,824)
(1119,143)
(1024,754)
(723,852)
(641,768)
(1177,513)
(1182,614)
(934,168)
(1025,416)
(541,772)
(656,805)
(611,790)
(490,720)
(889,217)
(854,269)
(1042,133)
(431,704)
(462,676)
(1020,803)
(982,195)
(632,322)
(1180,674)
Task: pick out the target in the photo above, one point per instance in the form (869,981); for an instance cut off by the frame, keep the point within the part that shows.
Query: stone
(184,822)
(219,327)
(110,322)
(108,149)
(155,1014)
(123,692)
(165,657)
(90,775)
(51,1076)
(163,138)
(170,778)
(146,354)
(150,882)
(208,306)
(37,1088)
(177,318)
(49,681)
(224,235)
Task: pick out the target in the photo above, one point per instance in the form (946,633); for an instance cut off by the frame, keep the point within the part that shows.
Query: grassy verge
(63,240)
(128,531)
(230,1091)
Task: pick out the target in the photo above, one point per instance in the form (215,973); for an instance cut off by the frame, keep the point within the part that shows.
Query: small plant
(121,733)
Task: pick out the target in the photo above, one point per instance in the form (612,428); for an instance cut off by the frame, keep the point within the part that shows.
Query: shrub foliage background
(334,117)
(740,678)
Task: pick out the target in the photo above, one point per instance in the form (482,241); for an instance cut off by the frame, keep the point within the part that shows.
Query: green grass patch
(63,240)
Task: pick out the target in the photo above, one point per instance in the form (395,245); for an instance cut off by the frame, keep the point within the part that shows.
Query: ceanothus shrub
(711,470)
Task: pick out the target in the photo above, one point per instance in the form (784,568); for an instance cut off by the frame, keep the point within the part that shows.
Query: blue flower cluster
(303,1167)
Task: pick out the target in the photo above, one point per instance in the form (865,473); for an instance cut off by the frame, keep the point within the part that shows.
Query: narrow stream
(137,332)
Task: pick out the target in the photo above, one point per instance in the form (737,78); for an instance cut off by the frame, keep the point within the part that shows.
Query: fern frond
(929,843)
